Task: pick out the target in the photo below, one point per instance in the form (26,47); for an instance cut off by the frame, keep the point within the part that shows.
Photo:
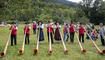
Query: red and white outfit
(72,32)
(27,32)
(13,34)
(81,33)
(50,32)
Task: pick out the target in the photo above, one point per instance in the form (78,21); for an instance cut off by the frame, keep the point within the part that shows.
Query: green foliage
(94,10)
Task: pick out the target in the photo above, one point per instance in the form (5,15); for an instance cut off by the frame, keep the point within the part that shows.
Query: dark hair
(80,23)
(26,22)
(49,21)
(13,22)
(71,22)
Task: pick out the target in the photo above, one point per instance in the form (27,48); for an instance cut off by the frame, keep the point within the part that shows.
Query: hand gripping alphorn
(50,48)
(20,52)
(97,48)
(82,50)
(37,46)
(65,49)
(6,46)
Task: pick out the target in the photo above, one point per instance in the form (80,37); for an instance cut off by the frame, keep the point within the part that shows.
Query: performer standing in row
(88,29)
(27,32)
(72,31)
(40,31)
(66,32)
(57,36)
(49,30)
(81,33)
(102,33)
(13,29)
(34,27)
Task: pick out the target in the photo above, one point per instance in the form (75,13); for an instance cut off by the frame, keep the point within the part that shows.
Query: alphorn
(6,46)
(65,49)
(37,46)
(50,49)
(20,52)
(97,48)
(81,48)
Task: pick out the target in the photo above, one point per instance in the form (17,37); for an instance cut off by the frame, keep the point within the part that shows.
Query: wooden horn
(6,46)
(50,48)
(21,51)
(65,49)
(37,46)
(81,48)
(97,48)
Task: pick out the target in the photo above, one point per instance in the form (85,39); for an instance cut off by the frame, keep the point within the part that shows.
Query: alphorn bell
(97,48)
(6,46)
(65,49)
(20,52)
(50,49)
(37,46)
(83,50)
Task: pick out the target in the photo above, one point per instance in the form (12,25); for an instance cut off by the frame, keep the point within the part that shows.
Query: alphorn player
(102,33)
(57,36)
(34,27)
(40,29)
(72,31)
(27,32)
(81,33)
(66,32)
(13,29)
(50,30)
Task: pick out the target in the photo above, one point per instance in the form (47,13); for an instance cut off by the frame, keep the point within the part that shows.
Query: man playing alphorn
(13,29)
(27,32)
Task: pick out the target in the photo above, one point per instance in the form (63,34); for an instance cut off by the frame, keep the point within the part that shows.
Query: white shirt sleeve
(16,28)
(29,27)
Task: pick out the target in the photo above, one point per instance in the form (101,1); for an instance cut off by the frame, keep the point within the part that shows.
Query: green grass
(58,51)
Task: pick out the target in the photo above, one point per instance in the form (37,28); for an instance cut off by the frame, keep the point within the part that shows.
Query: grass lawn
(58,51)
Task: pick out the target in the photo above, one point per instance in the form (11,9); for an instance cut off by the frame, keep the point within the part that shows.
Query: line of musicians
(54,31)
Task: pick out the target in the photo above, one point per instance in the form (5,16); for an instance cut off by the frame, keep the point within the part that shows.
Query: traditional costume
(50,32)
(57,36)
(13,34)
(81,33)
(72,32)
(34,28)
(27,32)
(40,32)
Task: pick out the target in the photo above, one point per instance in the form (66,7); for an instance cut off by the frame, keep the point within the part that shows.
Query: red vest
(27,30)
(81,30)
(72,28)
(49,28)
(34,25)
(14,30)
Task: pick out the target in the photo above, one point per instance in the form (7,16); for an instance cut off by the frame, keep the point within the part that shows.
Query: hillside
(70,3)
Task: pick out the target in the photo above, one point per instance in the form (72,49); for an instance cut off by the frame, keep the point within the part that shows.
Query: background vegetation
(56,10)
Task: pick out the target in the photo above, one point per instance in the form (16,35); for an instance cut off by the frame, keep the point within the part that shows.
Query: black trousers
(51,36)
(27,38)
(102,40)
(81,35)
(72,36)
(34,30)
(13,37)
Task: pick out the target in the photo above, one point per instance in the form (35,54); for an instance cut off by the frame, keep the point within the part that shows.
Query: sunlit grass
(58,51)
